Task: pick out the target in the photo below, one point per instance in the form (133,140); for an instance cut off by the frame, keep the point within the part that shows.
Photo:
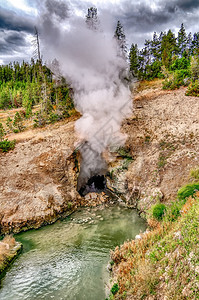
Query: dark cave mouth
(95,184)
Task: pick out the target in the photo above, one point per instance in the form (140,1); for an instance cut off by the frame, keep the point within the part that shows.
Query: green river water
(68,260)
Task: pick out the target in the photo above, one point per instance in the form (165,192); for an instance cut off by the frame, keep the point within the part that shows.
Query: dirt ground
(38,178)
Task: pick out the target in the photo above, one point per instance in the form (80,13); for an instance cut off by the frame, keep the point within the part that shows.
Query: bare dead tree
(36,44)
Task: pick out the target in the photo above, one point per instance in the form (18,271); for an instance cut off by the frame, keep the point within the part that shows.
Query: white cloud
(20,5)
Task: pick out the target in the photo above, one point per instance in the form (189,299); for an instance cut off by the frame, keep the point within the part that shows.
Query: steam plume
(89,60)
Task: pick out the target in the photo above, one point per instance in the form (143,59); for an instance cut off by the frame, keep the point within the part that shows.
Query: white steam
(89,60)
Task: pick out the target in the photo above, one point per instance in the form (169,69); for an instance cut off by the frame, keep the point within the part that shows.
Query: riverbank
(9,251)
(162,263)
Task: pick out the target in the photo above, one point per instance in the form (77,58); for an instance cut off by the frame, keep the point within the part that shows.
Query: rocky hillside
(38,177)
(163,141)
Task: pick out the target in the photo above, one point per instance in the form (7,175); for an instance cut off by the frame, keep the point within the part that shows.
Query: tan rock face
(37,179)
(163,137)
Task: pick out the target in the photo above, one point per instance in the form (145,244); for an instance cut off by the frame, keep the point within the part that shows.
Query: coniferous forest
(172,58)
(29,85)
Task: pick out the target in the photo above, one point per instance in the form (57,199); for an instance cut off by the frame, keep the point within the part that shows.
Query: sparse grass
(165,261)
(162,160)
(194,173)
(152,84)
(166,150)
(125,153)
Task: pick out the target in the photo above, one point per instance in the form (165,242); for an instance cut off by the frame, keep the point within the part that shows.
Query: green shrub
(2,132)
(7,145)
(40,119)
(158,211)
(18,122)
(194,67)
(9,124)
(52,118)
(124,153)
(115,288)
(193,89)
(177,79)
(180,63)
(173,211)
(188,190)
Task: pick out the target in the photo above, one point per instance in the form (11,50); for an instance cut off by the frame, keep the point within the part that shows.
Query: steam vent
(95,184)
(93,168)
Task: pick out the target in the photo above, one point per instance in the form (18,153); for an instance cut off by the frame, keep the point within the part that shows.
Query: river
(68,260)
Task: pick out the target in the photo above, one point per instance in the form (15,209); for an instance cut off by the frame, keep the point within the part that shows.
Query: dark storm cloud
(14,27)
(185,5)
(11,41)
(142,18)
(10,20)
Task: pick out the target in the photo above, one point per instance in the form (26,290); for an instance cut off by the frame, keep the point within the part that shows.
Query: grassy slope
(164,264)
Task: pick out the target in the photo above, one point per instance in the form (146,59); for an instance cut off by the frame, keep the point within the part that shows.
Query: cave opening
(95,184)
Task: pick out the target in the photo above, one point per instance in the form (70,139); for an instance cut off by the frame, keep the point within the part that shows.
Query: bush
(40,119)
(18,122)
(177,79)
(188,190)
(2,132)
(9,124)
(194,68)
(174,211)
(158,211)
(52,118)
(7,145)
(180,63)
(193,89)
(115,288)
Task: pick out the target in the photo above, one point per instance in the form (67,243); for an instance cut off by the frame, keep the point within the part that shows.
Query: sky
(139,19)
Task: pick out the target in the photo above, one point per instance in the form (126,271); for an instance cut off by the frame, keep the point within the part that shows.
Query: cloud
(15,29)
(11,41)
(10,20)
(142,18)
(185,5)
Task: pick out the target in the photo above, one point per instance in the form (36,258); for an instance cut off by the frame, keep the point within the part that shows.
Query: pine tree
(147,52)
(195,44)
(9,124)
(182,40)
(92,20)
(156,46)
(18,122)
(189,42)
(120,37)
(168,48)
(133,59)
